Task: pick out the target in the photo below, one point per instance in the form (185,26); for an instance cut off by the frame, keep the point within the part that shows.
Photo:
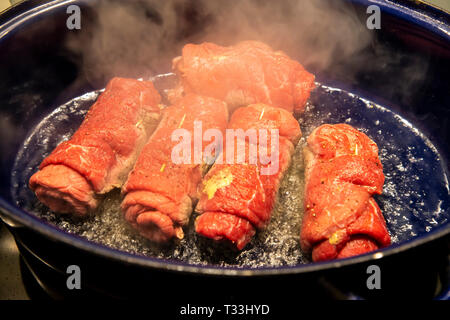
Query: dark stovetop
(11,284)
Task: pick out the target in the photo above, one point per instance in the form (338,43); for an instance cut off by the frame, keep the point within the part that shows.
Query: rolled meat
(237,197)
(101,153)
(248,72)
(343,172)
(160,191)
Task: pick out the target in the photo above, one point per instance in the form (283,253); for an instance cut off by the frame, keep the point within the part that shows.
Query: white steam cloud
(139,38)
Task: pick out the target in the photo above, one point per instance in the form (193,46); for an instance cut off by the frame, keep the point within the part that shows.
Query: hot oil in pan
(414,200)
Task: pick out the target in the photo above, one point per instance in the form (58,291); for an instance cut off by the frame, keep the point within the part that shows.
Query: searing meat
(343,172)
(160,191)
(249,72)
(102,151)
(237,196)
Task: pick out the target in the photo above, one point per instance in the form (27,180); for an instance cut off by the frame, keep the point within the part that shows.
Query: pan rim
(405,11)
(25,219)
(32,222)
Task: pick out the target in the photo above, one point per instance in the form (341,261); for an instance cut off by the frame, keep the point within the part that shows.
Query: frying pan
(39,74)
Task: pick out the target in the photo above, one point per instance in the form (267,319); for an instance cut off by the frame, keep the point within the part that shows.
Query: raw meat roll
(248,72)
(237,197)
(160,192)
(102,151)
(343,172)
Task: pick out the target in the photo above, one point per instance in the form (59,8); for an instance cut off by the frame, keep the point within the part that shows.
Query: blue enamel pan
(392,84)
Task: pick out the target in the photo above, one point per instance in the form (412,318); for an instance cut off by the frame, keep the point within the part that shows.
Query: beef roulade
(101,153)
(248,72)
(161,191)
(343,172)
(237,197)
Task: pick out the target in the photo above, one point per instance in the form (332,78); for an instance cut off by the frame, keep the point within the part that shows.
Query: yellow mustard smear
(219,180)
(219,58)
(336,237)
(182,121)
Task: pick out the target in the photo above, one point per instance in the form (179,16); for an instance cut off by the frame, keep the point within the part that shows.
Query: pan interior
(414,201)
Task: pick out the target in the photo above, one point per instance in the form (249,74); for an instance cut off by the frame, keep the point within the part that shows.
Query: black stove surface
(11,283)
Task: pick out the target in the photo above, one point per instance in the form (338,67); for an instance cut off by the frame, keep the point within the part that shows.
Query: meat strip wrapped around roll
(246,73)
(237,196)
(343,172)
(162,188)
(101,153)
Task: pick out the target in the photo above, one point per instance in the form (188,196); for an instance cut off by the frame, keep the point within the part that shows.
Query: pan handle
(10,222)
(444,295)
(338,294)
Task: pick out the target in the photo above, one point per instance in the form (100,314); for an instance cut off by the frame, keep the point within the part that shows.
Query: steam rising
(139,38)
(317,33)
